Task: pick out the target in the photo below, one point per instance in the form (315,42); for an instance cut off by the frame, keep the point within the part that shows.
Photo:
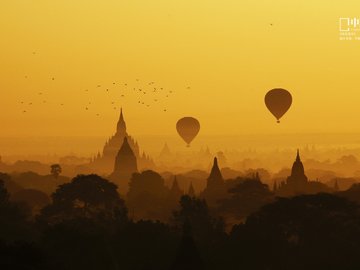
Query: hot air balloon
(278,102)
(188,128)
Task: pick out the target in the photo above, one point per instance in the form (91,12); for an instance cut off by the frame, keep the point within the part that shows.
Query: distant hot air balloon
(188,128)
(278,101)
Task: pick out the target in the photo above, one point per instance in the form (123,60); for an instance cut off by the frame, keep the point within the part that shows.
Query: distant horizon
(87,146)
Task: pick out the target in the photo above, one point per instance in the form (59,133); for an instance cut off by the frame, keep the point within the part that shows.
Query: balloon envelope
(278,101)
(188,128)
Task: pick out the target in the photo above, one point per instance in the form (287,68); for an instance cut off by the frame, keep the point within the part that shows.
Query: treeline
(87,225)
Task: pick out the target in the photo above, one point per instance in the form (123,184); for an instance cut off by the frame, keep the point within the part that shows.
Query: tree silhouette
(246,197)
(206,229)
(87,196)
(307,232)
(188,256)
(55,170)
(33,198)
(147,196)
(13,219)
(9,183)
(146,244)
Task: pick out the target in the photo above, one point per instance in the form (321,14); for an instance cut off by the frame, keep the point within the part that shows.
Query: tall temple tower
(215,178)
(125,166)
(297,176)
(104,162)
(121,126)
(297,183)
(216,188)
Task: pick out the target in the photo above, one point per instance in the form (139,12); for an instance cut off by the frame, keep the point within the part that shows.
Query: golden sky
(227,52)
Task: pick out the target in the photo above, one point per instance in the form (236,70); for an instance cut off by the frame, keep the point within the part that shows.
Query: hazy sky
(226,51)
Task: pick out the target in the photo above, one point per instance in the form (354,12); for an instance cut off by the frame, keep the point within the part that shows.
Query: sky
(218,58)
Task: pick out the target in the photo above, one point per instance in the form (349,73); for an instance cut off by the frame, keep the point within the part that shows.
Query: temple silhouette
(125,165)
(297,177)
(215,179)
(298,183)
(215,187)
(104,162)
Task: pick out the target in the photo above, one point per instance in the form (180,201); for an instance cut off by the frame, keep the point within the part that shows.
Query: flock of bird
(142,89)
(144,93)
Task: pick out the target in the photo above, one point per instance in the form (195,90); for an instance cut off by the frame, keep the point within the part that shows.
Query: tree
(188,256)
(55,170)
(306,232)
(87,196)
(196,212)
(146,244)
(13,219)
(10,184)
(207,232)
(246,197)
(147,196)
(34,199)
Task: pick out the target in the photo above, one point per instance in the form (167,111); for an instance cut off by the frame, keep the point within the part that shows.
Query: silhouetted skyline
(179,135)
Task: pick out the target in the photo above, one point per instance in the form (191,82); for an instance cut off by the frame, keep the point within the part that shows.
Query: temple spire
(215,171)
(297,171)
(215,177)
(121,125)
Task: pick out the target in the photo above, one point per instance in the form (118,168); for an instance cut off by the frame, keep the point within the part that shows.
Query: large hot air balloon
(188,128)
(278,101)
